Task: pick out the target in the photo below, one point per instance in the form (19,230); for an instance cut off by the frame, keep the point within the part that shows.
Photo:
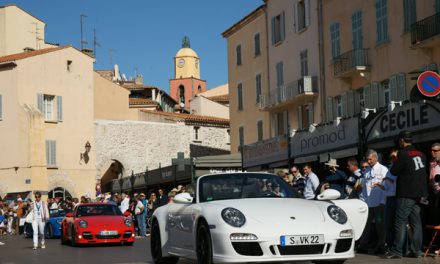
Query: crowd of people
(401,196)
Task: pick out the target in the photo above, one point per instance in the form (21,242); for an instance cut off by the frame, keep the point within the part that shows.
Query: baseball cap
(406,136)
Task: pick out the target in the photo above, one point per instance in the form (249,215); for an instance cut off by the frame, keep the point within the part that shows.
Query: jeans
(407,211)
(376,214)
(390,218)
(140,218)
(38,228)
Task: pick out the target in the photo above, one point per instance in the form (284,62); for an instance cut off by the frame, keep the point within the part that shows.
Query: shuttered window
(40,100)
(356,26)
(257,49)
(381,21)
(302,15)
(300,117)
(409,14)
(260,130)
(386,94)
(278,28)
(280,73)
(240,96)
(338,105)
(374,95)
(240,138)
(437,6)
(304,63)
(258,87)
(60,108)
(238,54)
(334,36)
(401,87)
(329,108)
(51,153)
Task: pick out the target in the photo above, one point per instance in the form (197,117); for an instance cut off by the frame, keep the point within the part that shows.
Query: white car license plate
(108,233)
(300,240)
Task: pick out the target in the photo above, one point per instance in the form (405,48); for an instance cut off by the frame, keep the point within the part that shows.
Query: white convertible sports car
(254,217)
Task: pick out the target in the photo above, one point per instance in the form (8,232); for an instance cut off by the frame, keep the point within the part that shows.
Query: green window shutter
(54,152)
(350,103)
(258,87)
(273,31)
(311,113)
(295,17)
(282,27)
(344,104)
(40,102)
(375,95)
(1,107)
(409,14)
(257,44)
(300,118)
(367,96)
(401,87)
(307,12)
(393,88)
(334,36)
(329,108)
(48,160)
(240,96)
(60,108)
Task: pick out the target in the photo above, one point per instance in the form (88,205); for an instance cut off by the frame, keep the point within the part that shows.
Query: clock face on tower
(181,63)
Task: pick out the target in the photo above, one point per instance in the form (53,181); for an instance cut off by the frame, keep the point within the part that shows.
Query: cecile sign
(411,116)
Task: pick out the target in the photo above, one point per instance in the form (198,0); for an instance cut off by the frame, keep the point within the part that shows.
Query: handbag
(30,217)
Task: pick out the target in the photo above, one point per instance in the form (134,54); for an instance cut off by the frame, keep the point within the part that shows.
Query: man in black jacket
(411,185)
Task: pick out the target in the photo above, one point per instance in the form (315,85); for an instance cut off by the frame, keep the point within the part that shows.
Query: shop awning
(344,153)
(306,159)
(278,164)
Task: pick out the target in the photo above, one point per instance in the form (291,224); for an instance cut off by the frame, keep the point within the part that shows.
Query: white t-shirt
(374,196)
(312,182)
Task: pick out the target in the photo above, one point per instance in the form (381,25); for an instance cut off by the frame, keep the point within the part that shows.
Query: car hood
(103,221)
(276,210)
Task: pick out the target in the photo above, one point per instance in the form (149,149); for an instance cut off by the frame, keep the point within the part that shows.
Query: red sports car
(95,223)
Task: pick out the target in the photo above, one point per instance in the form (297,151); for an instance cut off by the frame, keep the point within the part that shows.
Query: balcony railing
(425,28)
(352,60)
(288,92)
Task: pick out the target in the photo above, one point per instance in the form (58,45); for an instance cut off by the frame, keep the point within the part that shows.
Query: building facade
(48,140)
(248,77)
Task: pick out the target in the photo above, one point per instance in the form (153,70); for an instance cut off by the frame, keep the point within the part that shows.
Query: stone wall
(137,145)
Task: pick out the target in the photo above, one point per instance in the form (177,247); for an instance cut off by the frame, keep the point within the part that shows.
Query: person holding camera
(411,186)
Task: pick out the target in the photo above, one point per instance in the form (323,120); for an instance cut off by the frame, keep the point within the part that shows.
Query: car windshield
(57,212)
(94,210)
(242,185)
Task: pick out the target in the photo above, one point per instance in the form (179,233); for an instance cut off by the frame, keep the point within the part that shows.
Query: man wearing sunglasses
(40,215)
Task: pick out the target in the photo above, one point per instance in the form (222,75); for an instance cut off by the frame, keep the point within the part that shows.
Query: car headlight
(83,224)
(128,222)
(337,214)
(233,217)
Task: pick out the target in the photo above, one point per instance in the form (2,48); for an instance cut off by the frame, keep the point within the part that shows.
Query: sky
(145,34)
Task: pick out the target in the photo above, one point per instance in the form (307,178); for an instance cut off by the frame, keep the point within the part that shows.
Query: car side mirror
(127,214)
(184,198)
(329,194)
(69,215)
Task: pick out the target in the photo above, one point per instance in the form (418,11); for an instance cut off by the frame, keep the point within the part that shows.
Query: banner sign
(325,138)
(265,152)
(411,117)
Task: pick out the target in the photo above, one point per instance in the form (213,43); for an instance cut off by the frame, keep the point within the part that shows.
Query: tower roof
(186,52)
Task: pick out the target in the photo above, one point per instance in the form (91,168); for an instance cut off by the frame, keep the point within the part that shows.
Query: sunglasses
(435,150)
(364,167)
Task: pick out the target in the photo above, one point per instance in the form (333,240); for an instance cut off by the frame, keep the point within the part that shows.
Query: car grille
(343,245)
(248,248)
(107,237)
(301,250)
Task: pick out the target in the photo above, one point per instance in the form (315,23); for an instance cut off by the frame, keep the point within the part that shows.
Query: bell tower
(186,83)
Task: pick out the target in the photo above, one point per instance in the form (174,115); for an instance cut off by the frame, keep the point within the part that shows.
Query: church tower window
(181,94)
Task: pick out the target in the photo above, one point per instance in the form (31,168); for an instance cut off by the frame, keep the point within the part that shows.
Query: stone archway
(62,180)
(59,192)
(113,172)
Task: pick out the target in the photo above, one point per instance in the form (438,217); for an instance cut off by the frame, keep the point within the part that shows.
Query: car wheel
(48,232)
(204,246)
(156,247)
(63,237)
(73,240)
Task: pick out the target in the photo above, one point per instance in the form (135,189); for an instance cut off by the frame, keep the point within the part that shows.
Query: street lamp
(132,179)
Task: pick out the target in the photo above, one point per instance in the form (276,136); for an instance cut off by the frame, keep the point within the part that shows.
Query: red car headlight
(128,222)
